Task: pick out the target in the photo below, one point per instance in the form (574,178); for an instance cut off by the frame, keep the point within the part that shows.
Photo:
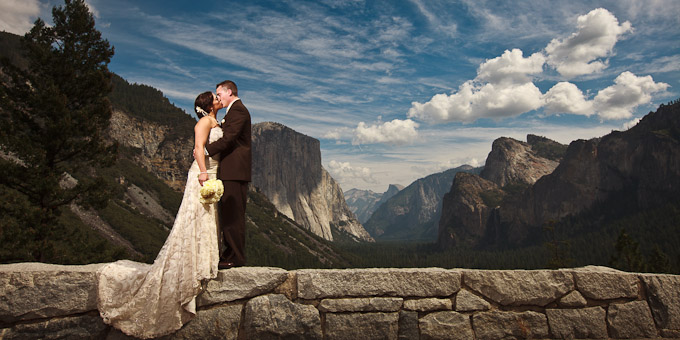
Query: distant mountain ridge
(640,166)
(364,202)
(413,213)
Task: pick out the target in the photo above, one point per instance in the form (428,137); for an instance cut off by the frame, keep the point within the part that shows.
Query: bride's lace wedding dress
(148,301)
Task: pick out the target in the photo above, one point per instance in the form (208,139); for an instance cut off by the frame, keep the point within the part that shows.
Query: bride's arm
(201,132)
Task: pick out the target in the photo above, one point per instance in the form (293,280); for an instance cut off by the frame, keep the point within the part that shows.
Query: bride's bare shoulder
(206,122)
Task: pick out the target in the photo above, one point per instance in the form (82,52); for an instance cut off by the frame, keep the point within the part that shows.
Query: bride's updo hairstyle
(204,102)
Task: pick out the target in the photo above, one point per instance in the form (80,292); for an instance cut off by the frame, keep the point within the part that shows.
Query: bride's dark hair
(205,102)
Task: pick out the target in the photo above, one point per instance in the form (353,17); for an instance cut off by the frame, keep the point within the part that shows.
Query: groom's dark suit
(235,172)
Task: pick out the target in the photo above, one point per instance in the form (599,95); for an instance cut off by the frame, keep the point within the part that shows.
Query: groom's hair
(230,85)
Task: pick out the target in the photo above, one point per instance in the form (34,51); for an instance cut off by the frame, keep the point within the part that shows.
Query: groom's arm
(238,117)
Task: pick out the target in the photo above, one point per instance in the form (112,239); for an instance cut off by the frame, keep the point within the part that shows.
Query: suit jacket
(234,147)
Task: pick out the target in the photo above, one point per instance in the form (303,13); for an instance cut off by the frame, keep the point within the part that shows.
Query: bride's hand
(202,178)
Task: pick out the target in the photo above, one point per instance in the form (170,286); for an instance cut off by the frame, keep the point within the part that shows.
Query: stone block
(631,320)
(504,325)
(428,305)
(216,323)
(663,295)
(241,283)
(275,317)
(606,284)
(587,323)
(408,325)
(573,300)
(38,290)
(468,302)
(88,326)
(406,282)
(355,326)
(445,325)
(389,304)
(519,287)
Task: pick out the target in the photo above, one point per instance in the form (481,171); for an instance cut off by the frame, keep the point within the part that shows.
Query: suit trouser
(232,217)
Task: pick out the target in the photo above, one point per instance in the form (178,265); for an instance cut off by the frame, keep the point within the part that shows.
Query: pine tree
(627,256)
(52,118)
(659,262)
(557,249)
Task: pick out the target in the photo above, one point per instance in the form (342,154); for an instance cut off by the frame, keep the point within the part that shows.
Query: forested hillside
(138,200)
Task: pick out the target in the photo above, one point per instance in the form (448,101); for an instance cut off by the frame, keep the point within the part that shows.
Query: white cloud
(628,92)
(629,124)
(17,16)
(93,10)
(446,165)
(448,29)
(344,171)
(502,88)
(472,102)
(598,32)
(511,67)
(566,97)
(498,101)
(614,102)
(339,133)
(395,132)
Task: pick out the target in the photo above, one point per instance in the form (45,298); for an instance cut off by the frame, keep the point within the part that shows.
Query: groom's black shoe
(225,265)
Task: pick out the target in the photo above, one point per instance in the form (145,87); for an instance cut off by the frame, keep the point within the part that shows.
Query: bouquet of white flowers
(211,191)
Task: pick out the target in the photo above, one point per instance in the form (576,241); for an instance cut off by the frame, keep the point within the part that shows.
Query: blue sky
(398,90)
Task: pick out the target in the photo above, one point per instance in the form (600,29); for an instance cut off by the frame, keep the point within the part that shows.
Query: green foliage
(659,262)
(547,148)
(52,119)
(558,250)
(147,235)
(274,240)
(148,104)
(69,242)
(627,256)
(492,198)
(10,44)
(125,168)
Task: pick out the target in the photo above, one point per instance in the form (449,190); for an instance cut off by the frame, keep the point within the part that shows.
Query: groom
(234,171)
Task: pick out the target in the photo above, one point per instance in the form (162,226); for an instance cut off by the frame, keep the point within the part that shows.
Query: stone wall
(50,301)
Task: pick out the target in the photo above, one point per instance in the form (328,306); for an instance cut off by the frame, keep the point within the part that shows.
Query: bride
(148,301)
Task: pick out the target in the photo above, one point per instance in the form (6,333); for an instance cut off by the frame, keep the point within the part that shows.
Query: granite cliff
(167,158)
(469,209)
(287,169)
(363,203)
(413,213)
(640,166)
(642,163)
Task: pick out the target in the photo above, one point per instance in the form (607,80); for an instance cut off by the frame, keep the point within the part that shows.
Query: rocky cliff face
(167,158)
(512,161)
(643,162)
(467,206)
(641,165)
(470,209)
(413,213)
(364,202)
(287,169)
